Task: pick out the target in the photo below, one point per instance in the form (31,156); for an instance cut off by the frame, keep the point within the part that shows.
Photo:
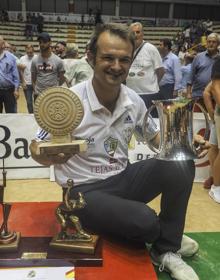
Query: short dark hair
(167,43)
(118,29)
(62,43)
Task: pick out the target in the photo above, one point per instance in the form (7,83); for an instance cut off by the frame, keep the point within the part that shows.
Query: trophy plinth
(73,147)
(9,242)
(75,245)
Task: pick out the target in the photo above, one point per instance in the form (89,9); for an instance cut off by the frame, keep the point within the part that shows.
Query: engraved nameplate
(34,255)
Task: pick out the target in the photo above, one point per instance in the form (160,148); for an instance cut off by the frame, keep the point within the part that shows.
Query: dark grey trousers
(117,205)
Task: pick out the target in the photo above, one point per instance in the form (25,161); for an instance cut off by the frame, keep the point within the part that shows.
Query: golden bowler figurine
(59,111)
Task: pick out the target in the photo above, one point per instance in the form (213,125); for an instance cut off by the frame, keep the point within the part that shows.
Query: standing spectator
(202,66)
(40,23)
(146,69)
(26,61)
(47,69)
(28,32)
(9,80)
(186,70)
(170,84)
(70,63)
(211,92)
(34,24)
(61,49)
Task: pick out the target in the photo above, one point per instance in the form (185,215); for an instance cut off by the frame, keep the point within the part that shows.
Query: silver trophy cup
(176,129)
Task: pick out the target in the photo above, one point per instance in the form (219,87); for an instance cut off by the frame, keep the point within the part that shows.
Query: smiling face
(112,60)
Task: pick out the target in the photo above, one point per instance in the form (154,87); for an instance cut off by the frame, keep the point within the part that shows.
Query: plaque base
(50,148)
(75,246)
(12,246)
(36,251)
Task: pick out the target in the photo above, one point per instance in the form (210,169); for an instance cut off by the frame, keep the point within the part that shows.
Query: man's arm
(208,100)
(159,72)
(61,78)
(216,90)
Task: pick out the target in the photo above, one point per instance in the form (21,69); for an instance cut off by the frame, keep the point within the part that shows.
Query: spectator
(26,61)
(146,69)
(61,49)
(170,84)
(9,80)
(47,69)
(202,66)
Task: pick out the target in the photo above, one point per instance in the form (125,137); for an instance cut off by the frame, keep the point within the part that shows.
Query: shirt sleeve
(177,74)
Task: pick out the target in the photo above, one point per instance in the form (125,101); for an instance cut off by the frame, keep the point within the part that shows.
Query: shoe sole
(211,194)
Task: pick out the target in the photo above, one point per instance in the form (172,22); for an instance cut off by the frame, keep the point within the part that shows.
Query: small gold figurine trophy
(59,111)
(9,240)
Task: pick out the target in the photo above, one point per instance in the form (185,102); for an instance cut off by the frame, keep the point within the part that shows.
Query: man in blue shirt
(9,80)
(171,81)
(202,67)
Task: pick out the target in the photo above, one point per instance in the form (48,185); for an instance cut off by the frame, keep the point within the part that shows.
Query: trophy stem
(8,239)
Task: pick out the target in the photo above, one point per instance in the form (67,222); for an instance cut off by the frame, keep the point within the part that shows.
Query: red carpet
(119,261)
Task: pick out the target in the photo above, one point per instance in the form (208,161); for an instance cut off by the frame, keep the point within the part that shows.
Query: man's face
(44,45)
(139,35)
(30,52)
(161,48)
(60,48)
(112,61)
(212,45)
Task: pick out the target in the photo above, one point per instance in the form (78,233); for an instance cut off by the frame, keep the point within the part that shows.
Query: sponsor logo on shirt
(45,67)
(90,140)
(128,119)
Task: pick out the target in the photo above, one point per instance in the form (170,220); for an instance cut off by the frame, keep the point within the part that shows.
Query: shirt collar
(123,100)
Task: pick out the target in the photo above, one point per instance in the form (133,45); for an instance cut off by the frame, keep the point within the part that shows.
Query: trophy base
(77,246)
(36,251)
(10,246)
(50,148)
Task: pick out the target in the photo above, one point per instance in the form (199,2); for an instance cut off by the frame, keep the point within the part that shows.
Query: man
(26,61)
(200,77)
(202,67)
(60,49)
(146,69)
(115,191)
(9,80)
(170,84)
(47,69)
(212,92)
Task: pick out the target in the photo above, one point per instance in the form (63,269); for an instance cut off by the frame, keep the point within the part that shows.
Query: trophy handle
(206,135)
(144,127)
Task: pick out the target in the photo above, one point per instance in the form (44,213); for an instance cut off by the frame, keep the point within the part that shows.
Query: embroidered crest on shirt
(110,146)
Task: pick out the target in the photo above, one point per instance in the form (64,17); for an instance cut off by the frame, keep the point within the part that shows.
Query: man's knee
(145,228)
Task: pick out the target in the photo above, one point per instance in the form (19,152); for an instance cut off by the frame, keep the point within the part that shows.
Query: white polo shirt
(107,135)
(142,77)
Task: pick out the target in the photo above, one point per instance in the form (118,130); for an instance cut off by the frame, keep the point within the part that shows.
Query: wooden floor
(202,214)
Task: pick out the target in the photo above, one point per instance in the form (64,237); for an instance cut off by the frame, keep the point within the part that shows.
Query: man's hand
(46,159)
(201,145)
(16,94)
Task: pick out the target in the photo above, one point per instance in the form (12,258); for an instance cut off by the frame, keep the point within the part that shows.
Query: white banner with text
(17,131)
